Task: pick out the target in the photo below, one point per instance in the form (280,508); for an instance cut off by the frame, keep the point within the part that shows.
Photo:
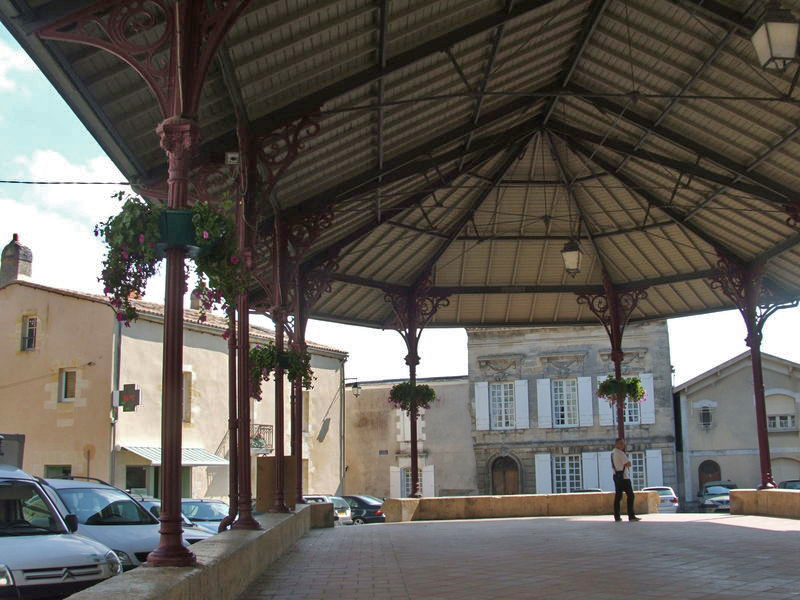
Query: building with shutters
(63,353)
(718,424)
(378,438)
(538,424)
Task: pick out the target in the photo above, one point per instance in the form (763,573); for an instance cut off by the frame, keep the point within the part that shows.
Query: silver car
(111,516)
(40,555)
(667,499)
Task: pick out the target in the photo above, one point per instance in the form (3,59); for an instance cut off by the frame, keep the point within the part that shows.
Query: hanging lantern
(775,38)
(356,389)
(571,253)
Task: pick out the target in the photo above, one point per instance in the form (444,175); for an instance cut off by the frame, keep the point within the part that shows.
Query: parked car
(365,509)
(715,496)
(586,490)
(790,484)
(668,501)
(191,531)
(205,513)
(110,516)
(341,509)
(41,556)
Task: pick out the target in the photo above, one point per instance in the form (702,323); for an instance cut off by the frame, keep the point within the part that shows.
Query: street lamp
(356,389)
(775,37)
(571,253)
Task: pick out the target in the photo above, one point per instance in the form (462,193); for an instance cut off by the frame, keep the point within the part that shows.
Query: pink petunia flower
(205,235)
(141,238)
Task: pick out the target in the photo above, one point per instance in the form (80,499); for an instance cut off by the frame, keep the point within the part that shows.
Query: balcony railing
(260,441)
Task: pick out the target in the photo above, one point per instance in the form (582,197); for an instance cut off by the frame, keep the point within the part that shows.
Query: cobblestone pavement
(679,557)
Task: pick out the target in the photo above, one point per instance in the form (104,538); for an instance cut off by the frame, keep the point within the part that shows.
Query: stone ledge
(769,503)
(519,505)
(227,564)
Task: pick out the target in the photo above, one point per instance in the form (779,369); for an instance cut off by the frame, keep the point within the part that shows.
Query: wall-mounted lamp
(571,253)
(775,38)
(356,389)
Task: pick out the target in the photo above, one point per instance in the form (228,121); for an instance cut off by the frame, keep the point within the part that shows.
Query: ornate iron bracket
(278,149)
(742,284)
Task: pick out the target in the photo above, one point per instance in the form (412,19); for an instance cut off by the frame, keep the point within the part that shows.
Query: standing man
(622,480)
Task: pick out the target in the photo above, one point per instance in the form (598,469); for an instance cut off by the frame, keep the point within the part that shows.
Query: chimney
(194,301)
(15,263)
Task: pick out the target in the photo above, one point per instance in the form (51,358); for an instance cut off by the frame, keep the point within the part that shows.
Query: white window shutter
(655,474)
(589,467)
(428,487)
(605,472)
(648,406)
(482,405)
(544,481)
(395,480)
(605,409)
(521,404)
(585,413)
(405,426)
(543,404)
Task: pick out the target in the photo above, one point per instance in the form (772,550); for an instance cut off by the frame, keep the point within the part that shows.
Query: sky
(42,140)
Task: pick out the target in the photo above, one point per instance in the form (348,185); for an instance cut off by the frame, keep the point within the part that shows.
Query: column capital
(179,135)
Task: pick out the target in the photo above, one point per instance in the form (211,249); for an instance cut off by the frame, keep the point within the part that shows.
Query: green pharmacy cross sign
(129,397)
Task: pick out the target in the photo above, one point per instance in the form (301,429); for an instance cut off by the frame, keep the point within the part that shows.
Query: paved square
(681,556)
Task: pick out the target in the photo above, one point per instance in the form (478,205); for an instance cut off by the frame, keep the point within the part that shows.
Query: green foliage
(613,389)
(266,359)
(132,236)
(405,396)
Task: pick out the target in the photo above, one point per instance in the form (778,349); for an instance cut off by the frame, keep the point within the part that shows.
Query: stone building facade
(719,438)
(538,426)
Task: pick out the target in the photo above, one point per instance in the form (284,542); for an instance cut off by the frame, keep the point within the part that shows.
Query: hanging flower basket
(404,396)
(627,389)
(138,236)
(266,358)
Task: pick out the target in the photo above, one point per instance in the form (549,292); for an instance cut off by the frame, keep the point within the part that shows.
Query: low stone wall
(770,503)
(519,505)
(227,564)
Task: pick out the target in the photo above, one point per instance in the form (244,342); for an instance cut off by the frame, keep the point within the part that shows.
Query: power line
(19,181)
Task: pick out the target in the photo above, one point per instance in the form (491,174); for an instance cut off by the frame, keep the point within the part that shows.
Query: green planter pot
(177,231)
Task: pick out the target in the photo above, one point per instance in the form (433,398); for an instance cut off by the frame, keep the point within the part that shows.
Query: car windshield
(339,502)
(23,511)
(205,511)
(373,498)
(104,506)
(717,489)
(792,485)
(368,500)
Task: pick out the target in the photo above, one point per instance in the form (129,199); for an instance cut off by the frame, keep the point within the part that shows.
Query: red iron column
(614,308)
(233,427)
(742,284)
(178,139)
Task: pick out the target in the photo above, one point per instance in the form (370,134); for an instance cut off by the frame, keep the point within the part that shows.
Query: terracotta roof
(214,322)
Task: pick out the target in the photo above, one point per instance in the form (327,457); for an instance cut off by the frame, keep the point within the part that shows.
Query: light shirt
(618,459)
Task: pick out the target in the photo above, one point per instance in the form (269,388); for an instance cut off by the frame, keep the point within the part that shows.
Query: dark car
(365,509)
(790,484)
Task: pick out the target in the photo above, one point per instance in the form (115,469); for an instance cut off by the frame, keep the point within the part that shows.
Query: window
(781,423)
(633,413)
(638,472)
(56,471)
(28,333)
(565,402)
(502,406)
(405,481)
(567,473)
(706,418)
(67,379)
(187,396)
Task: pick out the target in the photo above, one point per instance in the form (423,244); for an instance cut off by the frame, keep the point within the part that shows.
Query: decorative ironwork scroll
(743,286)
(604,305)
(278,149)
(792,208)
(212,181)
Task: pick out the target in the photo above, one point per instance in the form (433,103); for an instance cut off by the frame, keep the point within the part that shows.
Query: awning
(190,457)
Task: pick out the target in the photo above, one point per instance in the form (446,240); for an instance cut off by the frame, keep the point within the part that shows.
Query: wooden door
(708,471)
(505,476)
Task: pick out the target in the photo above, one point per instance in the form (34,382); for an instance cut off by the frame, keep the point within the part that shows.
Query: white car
(668,501)
(341,509)
(109,515)
(40,555)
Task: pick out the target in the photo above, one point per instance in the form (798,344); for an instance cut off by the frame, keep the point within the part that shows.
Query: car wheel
(358,521)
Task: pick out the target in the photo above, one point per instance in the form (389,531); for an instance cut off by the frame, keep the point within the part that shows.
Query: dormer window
(29,325)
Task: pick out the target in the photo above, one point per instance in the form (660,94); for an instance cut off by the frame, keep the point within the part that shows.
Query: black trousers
(623,485)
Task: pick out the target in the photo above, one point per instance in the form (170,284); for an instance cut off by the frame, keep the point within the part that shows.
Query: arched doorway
(708,471)
(505,476)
